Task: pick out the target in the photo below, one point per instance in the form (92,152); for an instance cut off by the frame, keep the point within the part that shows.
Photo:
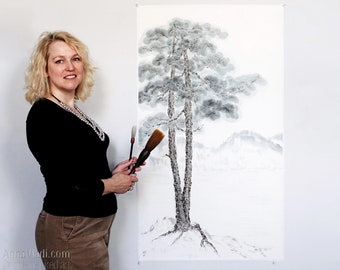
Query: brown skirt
(73,242)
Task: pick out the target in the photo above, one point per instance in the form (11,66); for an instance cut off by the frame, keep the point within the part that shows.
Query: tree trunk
(188,142)
(180,213)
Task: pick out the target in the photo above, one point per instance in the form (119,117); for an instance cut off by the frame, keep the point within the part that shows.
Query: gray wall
(312,126)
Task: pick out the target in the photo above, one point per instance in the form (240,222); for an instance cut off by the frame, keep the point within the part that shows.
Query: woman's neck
(60,97)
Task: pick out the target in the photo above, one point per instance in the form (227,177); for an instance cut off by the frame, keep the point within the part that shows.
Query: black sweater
(72,160)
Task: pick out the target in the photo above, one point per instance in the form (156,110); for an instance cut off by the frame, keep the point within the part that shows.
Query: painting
(211,78)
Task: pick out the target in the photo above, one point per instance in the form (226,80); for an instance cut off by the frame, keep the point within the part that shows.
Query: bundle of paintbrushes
(155,138)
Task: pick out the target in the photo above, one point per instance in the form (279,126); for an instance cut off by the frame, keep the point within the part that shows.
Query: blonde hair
(35,78)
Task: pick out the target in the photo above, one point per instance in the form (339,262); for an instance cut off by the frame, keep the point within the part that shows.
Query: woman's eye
(76,59)
(59,61)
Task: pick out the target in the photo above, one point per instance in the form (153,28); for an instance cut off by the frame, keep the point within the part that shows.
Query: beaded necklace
(83,117)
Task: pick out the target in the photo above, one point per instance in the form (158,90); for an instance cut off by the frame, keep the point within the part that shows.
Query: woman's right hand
(119,183)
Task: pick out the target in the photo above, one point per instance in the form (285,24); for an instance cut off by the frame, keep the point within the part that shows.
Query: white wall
(312,126)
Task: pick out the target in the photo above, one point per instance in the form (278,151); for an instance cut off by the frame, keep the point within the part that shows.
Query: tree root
(204,240)
(194,227)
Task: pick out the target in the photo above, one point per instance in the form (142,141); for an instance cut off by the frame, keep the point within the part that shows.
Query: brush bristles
(133,132)
(155,138)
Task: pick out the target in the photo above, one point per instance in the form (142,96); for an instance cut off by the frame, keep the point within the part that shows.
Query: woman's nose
(69,65)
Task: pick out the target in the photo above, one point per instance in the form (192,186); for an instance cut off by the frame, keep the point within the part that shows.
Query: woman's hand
(126,166)
(121,181)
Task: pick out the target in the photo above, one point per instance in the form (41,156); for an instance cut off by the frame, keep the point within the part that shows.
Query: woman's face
(64,67)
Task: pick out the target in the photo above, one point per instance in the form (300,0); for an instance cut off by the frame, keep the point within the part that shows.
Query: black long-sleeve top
(72,159)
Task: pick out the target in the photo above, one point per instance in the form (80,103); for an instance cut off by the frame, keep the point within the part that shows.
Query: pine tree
(187,75)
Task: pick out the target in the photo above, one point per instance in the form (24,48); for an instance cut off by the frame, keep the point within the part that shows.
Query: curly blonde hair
(35,78)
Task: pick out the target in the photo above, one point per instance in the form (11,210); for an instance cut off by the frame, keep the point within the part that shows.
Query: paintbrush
(155,138)
(132,140)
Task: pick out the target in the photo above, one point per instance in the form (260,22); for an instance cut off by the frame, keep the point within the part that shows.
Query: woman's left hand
(125,166)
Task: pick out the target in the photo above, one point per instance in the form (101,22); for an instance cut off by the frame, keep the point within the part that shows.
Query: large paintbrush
(155,138)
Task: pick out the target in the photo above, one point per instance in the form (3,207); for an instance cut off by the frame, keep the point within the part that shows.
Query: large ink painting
(211,78)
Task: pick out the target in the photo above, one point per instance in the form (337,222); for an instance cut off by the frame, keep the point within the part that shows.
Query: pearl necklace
(83,117)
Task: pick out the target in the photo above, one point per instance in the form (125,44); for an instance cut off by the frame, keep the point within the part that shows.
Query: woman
(73,228)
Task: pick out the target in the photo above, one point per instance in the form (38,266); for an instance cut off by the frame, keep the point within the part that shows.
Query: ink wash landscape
(213,189)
